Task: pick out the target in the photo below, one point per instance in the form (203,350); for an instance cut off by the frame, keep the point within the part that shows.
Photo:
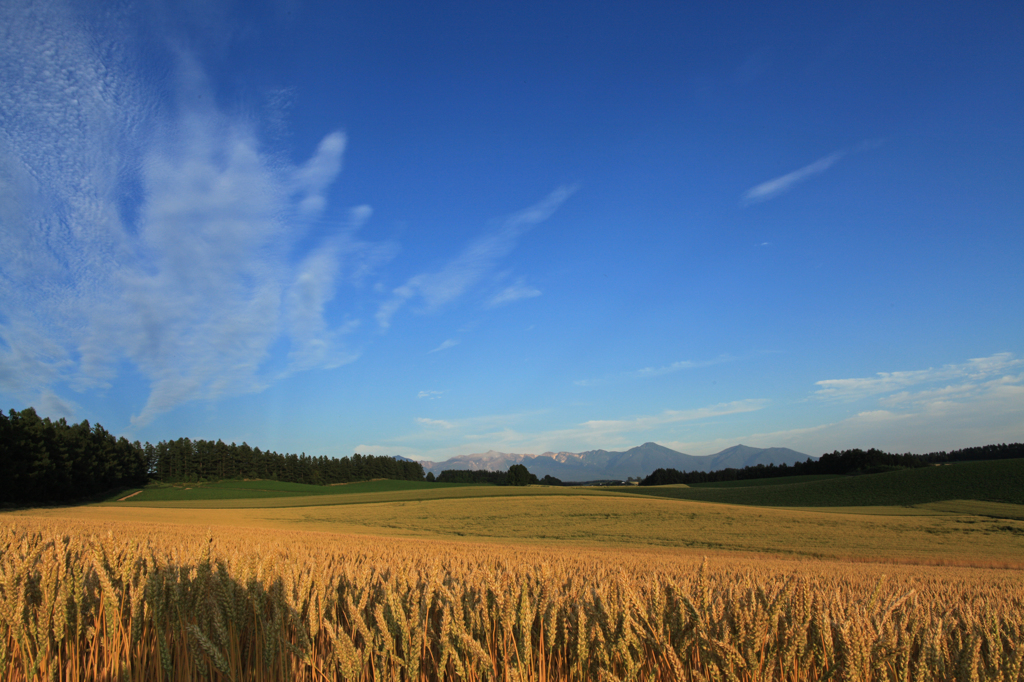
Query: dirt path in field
(128,496)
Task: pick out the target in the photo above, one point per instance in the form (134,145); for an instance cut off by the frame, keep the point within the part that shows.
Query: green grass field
(255,490)
(1000,481)
(756,482)
(991,481)
(992,510)
(208,497)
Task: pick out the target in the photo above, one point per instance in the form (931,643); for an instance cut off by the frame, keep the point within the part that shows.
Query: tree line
(186,460)
(517,474)
(846,462)
(44,461)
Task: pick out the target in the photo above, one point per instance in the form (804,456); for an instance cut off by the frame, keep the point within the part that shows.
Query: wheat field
(903,535)
(83,600)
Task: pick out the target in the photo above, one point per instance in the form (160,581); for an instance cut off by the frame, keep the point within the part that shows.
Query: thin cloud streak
(993,415)
(986,407)
(446,345)
(670,417)
(650,372)
(434,422)
(317,174)
(676,367)
(975,370)
(436,289)
(516,292)
(479,434)
(773,188)
(601,433)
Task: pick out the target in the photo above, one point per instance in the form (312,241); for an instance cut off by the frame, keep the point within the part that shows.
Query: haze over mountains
(602,464)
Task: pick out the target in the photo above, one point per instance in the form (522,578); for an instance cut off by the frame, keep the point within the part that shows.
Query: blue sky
(432,229)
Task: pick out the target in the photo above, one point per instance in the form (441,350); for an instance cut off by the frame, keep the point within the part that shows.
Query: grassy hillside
(244,490)
(994,481)
(990,481)
(754,482)
(369,492)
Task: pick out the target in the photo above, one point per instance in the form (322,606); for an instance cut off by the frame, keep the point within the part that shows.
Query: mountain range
(603,464)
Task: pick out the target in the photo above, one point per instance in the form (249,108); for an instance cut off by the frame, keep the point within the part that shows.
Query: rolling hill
(991,481)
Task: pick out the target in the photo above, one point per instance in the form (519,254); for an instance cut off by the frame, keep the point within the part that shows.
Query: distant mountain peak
(637,461)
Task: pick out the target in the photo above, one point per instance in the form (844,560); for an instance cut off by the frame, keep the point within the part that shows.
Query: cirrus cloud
(516,292)
(973,374)
(783,183)
(435,289)
(153,229)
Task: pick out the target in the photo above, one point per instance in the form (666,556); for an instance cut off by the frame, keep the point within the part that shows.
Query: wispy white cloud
(464,428)
(313,343)
(52,405)
(448,343)
(650,372)
(962,392)
(317,174)
(435,289)
(434,422)
(676,367)
(165,236)
(985,404)
(62,117)
(215,285)
(974,372)
(505,432)
(591,433)
(516,292)
(644,423)
(783,183)
(992,415)
(432,395)
(986,409)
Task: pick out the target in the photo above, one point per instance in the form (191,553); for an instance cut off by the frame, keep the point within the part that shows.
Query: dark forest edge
(517,474)
(847,462)
(48,462)
(44,462)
